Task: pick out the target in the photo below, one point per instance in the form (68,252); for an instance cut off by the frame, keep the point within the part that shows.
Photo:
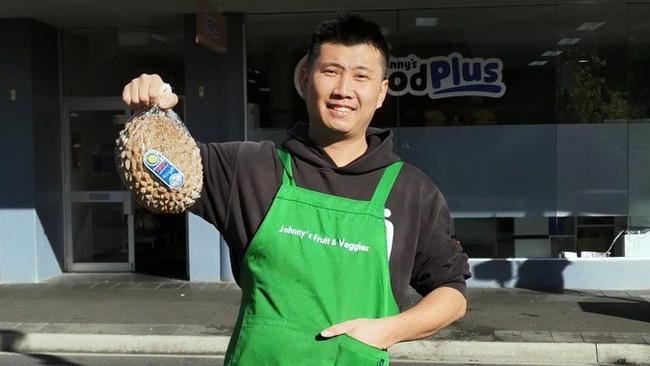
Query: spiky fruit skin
(162,131)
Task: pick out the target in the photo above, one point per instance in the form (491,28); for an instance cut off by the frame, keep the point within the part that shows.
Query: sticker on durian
(162,168)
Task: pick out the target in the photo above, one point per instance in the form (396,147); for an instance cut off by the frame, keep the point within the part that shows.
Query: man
(327,233)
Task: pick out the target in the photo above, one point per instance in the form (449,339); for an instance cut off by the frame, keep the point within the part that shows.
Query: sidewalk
(130,313)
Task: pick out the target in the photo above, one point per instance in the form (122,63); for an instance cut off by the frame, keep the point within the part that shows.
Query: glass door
(99,212)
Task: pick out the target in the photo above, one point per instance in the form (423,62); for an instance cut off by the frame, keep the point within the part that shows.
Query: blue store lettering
(446,76)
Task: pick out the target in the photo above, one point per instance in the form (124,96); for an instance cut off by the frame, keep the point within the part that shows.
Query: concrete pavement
(118,313)
(68,359)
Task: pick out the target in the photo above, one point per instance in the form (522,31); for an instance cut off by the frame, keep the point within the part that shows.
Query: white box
(636,245)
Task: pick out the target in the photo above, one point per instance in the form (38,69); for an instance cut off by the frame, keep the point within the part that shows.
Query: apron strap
(285,159)
(381,192)
(386,183)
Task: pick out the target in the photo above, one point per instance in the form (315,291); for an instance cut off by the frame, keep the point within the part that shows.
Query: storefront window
(541,170)
(532,120)
(100,61)
(481,67)
(592,73)
(275,44)
(639,130)
(97,63)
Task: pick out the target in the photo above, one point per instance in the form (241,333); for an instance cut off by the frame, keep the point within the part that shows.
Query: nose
(343,88)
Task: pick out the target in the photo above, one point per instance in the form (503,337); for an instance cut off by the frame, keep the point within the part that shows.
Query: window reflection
(513,36)
(100,61)
(592,82)
(526,169)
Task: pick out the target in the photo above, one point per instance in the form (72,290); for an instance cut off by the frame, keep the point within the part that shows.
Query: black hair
(348,30)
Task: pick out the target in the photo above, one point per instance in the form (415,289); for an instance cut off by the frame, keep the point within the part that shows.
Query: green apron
(316,260)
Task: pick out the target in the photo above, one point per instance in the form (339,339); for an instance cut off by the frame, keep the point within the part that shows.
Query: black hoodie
(242,178)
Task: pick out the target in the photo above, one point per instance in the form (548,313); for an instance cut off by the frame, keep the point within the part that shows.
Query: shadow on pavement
(9,338)
(497,270)
(532,274)
(628,310)
(52,360)
(542,275)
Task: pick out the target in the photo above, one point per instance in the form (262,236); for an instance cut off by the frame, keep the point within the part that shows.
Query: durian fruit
(159,161)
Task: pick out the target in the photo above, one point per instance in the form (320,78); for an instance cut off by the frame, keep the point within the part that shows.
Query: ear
(383,89)
(304,77)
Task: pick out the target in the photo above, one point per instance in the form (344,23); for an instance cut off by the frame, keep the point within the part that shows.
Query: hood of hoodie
(378,155)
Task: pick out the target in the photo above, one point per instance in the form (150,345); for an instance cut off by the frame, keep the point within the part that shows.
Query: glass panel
(92,139)
(476,66)
(100,61)
(99,233)
(485,130)
(594,239)
(561,226)
(488,171)
(637,243)
(560,64)
(592,82)
(478,236)
(551,166)
(274,46)
(560,245)
(592,90)
(592,169)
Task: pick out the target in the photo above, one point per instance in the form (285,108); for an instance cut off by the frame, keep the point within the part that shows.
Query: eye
(329,72)
(361,77)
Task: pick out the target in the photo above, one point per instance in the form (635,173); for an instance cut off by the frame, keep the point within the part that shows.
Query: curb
(118,343)
(433,351)
(497,352)
(621,354)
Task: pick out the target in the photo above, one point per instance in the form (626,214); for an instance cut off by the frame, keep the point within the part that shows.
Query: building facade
(531,117)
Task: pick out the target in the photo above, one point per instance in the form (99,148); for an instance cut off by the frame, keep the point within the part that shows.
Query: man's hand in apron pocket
(378,333)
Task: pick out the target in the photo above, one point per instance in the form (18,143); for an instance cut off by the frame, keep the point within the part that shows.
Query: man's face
(343,87)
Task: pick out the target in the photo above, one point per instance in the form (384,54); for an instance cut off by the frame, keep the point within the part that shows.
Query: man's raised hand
(148,90)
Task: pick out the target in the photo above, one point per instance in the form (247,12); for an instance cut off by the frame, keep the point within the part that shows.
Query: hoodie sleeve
(439,258)
(219,161)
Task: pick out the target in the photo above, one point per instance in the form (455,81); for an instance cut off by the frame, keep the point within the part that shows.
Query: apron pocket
(353,352)
(267,341)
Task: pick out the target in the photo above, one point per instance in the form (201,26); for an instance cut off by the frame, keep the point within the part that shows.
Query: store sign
(446,76)
(211,28)
(440,76)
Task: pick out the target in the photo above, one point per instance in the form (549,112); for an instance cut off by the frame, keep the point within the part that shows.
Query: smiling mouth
(339,110)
